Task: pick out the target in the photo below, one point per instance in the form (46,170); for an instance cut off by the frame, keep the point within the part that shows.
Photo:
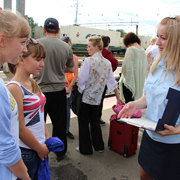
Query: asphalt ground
(109,165)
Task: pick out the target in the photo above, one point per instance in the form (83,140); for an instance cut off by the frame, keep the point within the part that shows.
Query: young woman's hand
(43,152)
(127,111)
(169,130)
(120,101)
(68,90)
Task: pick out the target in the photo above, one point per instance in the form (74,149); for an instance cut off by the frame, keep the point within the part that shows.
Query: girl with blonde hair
(14,32)
(159,155)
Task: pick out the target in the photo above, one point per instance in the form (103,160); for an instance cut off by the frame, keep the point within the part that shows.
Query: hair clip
(172,17)
(31,41)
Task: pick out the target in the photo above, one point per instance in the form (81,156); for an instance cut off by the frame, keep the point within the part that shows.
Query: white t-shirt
(154,51)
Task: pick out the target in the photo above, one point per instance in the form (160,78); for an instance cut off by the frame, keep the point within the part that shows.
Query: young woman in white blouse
(95,73)
(159,154)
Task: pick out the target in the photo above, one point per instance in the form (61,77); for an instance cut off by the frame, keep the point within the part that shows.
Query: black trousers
(56,108)
(127,94)
(89,135)
(101,105)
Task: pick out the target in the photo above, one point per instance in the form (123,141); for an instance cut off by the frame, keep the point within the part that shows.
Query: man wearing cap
(59,59)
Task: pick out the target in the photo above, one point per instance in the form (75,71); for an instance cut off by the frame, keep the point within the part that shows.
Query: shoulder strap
(23,89)
(14,82)
(17,83)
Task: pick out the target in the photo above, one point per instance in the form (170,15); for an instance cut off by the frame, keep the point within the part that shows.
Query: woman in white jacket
(95,73)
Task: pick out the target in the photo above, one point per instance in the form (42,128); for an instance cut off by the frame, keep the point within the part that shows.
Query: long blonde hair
(13,25)
(171,52)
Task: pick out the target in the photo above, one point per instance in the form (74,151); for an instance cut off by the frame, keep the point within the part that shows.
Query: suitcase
(123,138)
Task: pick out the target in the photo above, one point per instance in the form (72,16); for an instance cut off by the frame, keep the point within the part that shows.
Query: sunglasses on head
(174,17)
(66,38)
(31,41)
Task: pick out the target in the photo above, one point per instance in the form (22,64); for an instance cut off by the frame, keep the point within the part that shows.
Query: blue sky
(146,13)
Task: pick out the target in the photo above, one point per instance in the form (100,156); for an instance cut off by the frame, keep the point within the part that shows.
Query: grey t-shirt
(58,55)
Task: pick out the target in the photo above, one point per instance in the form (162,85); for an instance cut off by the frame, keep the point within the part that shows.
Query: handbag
(76,100)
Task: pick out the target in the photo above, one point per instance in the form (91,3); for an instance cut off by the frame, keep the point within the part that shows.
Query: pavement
(109,165)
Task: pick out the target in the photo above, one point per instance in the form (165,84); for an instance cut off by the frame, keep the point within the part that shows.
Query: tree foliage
(119,30)
(122,32)
(32,24)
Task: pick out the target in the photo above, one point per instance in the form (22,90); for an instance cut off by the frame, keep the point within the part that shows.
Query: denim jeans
(31,160)
(68,100)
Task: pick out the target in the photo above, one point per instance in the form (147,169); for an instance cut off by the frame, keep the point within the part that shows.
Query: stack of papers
(169,117)
(140,122)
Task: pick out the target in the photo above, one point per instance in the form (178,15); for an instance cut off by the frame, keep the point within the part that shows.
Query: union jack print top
(33,105)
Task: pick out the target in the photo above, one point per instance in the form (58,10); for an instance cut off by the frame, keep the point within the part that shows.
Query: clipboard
(169,117)
(140,122)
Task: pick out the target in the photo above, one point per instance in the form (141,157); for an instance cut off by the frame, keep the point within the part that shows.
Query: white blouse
(95,73)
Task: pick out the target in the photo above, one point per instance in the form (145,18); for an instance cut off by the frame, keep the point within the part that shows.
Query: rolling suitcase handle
(134,137)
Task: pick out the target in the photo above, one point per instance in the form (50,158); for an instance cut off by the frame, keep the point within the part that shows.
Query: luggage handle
(121,122)
(118,132)
(134,135)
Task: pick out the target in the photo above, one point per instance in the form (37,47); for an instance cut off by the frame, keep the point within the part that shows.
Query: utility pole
(136,29)
(20,7)
(7,4)
(76,5)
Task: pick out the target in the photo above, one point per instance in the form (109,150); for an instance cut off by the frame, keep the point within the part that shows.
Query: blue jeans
(31,160)
(68,100)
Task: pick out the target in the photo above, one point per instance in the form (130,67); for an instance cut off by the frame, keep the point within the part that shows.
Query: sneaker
(101,122)
(60,158)
(100,151)
(77,148)
(70,135)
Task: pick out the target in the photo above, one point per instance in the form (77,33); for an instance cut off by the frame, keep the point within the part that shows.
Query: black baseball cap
(51,23)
